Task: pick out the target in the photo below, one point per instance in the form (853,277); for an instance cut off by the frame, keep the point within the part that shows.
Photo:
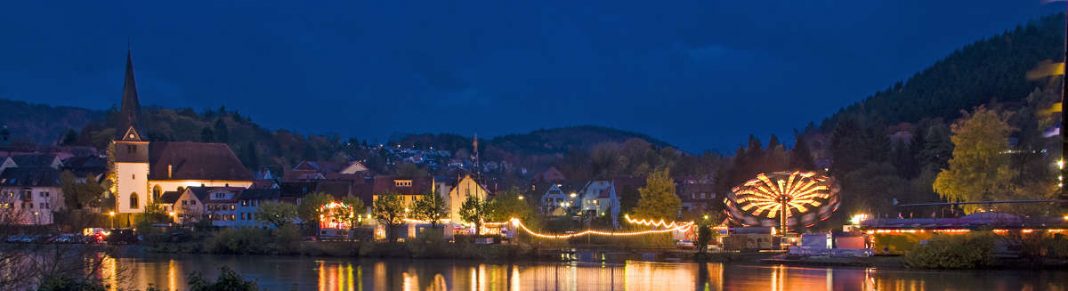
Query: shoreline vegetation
(976,251)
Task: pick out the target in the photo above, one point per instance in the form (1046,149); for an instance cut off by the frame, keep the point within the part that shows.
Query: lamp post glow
(112,215)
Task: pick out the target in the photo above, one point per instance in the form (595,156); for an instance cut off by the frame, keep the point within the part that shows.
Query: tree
(511,204)
(70,138)
(222,132)
(775,158)
(276,213)
(78,195)
(251,156)
(311,207)
(389,210)
(228,280)
(409,170)
(979,169)
(354,207)
(658,199)
(207,135)
(937,148)
(430,207)
(474,211)
(801,156)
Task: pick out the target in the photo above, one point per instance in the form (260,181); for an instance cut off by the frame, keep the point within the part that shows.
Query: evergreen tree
(937,148)
(222,132)
(775,159)
(207,135)
(801,156)
(251,156)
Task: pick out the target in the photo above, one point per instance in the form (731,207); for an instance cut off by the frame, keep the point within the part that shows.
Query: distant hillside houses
(193,182)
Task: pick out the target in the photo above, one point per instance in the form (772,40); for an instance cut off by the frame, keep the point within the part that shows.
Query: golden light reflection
(339,276)
(172,275)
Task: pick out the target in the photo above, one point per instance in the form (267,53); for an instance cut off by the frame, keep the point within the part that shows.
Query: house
(218,204)
(86,168)
(599,198)
(248,205)
(144,170)
(557,202)
(37,160)
(408,188)
(30,195)
(323,170)
(551,175)
(696,194)
(465,188)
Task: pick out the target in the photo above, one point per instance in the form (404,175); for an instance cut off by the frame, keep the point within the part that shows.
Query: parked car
(68,238)
(122,237)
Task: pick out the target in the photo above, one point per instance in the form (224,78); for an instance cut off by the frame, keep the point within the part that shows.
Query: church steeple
(131,106)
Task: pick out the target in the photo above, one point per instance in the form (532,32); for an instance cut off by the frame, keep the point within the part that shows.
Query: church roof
(131,106)
(195,161)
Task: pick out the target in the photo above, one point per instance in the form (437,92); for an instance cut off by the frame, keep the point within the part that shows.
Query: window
(131,148)
(185,202)
(133,200)
(402,183)
(133,176)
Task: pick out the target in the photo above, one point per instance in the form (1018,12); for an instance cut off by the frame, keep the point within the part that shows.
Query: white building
(599,198)
(143,171)
(30,195)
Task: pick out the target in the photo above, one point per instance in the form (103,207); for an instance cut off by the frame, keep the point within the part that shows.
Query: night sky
(698,74)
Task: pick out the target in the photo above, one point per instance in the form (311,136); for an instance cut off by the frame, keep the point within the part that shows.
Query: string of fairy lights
(520,226)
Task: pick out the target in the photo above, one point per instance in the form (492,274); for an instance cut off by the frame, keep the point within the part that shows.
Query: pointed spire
(131,106)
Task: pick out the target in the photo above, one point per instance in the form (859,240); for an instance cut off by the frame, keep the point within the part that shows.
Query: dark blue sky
(699,74)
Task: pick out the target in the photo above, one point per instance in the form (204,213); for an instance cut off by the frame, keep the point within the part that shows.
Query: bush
(63,283)
(897,243)
(228,281)
(953,252)
(239,241)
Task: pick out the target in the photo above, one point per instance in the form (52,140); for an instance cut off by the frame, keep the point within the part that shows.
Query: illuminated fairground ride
(786,199)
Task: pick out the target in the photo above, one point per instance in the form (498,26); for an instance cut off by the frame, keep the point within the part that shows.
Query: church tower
(129,152)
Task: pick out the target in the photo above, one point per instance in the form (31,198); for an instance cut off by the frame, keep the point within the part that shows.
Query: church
(144,170)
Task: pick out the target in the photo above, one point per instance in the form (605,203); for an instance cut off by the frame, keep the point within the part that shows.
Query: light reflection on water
(293,273)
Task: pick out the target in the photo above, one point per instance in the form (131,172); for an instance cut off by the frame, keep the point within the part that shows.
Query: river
(301,273)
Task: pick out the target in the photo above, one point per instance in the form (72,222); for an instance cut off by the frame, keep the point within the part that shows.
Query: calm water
(288,273)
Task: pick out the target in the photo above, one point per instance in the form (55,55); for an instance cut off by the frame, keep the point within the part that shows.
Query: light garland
(519,225)
(661,223)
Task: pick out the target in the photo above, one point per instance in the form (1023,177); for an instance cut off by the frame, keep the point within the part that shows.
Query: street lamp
(112,215)
(36,218)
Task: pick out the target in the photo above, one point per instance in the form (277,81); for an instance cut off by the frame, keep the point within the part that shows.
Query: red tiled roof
(195,161)
(388,185)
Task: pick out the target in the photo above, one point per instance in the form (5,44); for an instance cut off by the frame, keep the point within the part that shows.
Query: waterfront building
(30,195)
(464,189)
(599,198)
(143,171)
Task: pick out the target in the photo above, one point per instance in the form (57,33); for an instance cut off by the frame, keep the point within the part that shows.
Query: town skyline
(424,80)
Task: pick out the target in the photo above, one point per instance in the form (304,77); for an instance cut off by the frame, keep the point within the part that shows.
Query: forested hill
(542,141)
(42,124)
(989,70)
